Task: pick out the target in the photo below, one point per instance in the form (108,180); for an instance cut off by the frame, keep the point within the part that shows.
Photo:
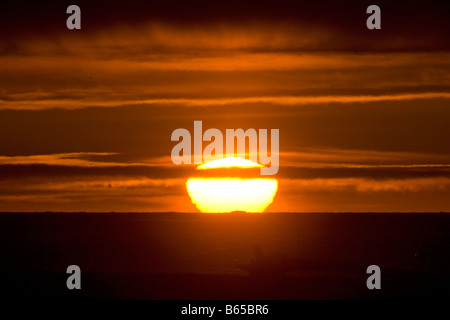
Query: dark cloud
(413,25)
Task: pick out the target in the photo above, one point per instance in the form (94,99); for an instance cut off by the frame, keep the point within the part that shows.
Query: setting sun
(227,194)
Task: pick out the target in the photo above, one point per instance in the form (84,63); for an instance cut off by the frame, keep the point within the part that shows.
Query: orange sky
(86,116)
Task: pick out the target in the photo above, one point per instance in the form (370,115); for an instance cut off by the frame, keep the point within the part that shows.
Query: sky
(86,115)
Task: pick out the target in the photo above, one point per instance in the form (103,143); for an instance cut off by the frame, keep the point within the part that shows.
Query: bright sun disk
(227,194)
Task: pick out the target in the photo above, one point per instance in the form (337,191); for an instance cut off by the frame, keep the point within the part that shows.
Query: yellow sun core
(228,194)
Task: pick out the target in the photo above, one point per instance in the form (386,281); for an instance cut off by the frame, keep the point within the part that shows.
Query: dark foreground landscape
(232,256)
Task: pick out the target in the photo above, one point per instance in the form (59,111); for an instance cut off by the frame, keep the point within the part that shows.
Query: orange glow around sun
(227,194)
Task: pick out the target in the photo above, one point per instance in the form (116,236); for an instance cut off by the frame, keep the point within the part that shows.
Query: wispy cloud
(74,159)
(368,185)
(36,104)
(354,158)
(82,159)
